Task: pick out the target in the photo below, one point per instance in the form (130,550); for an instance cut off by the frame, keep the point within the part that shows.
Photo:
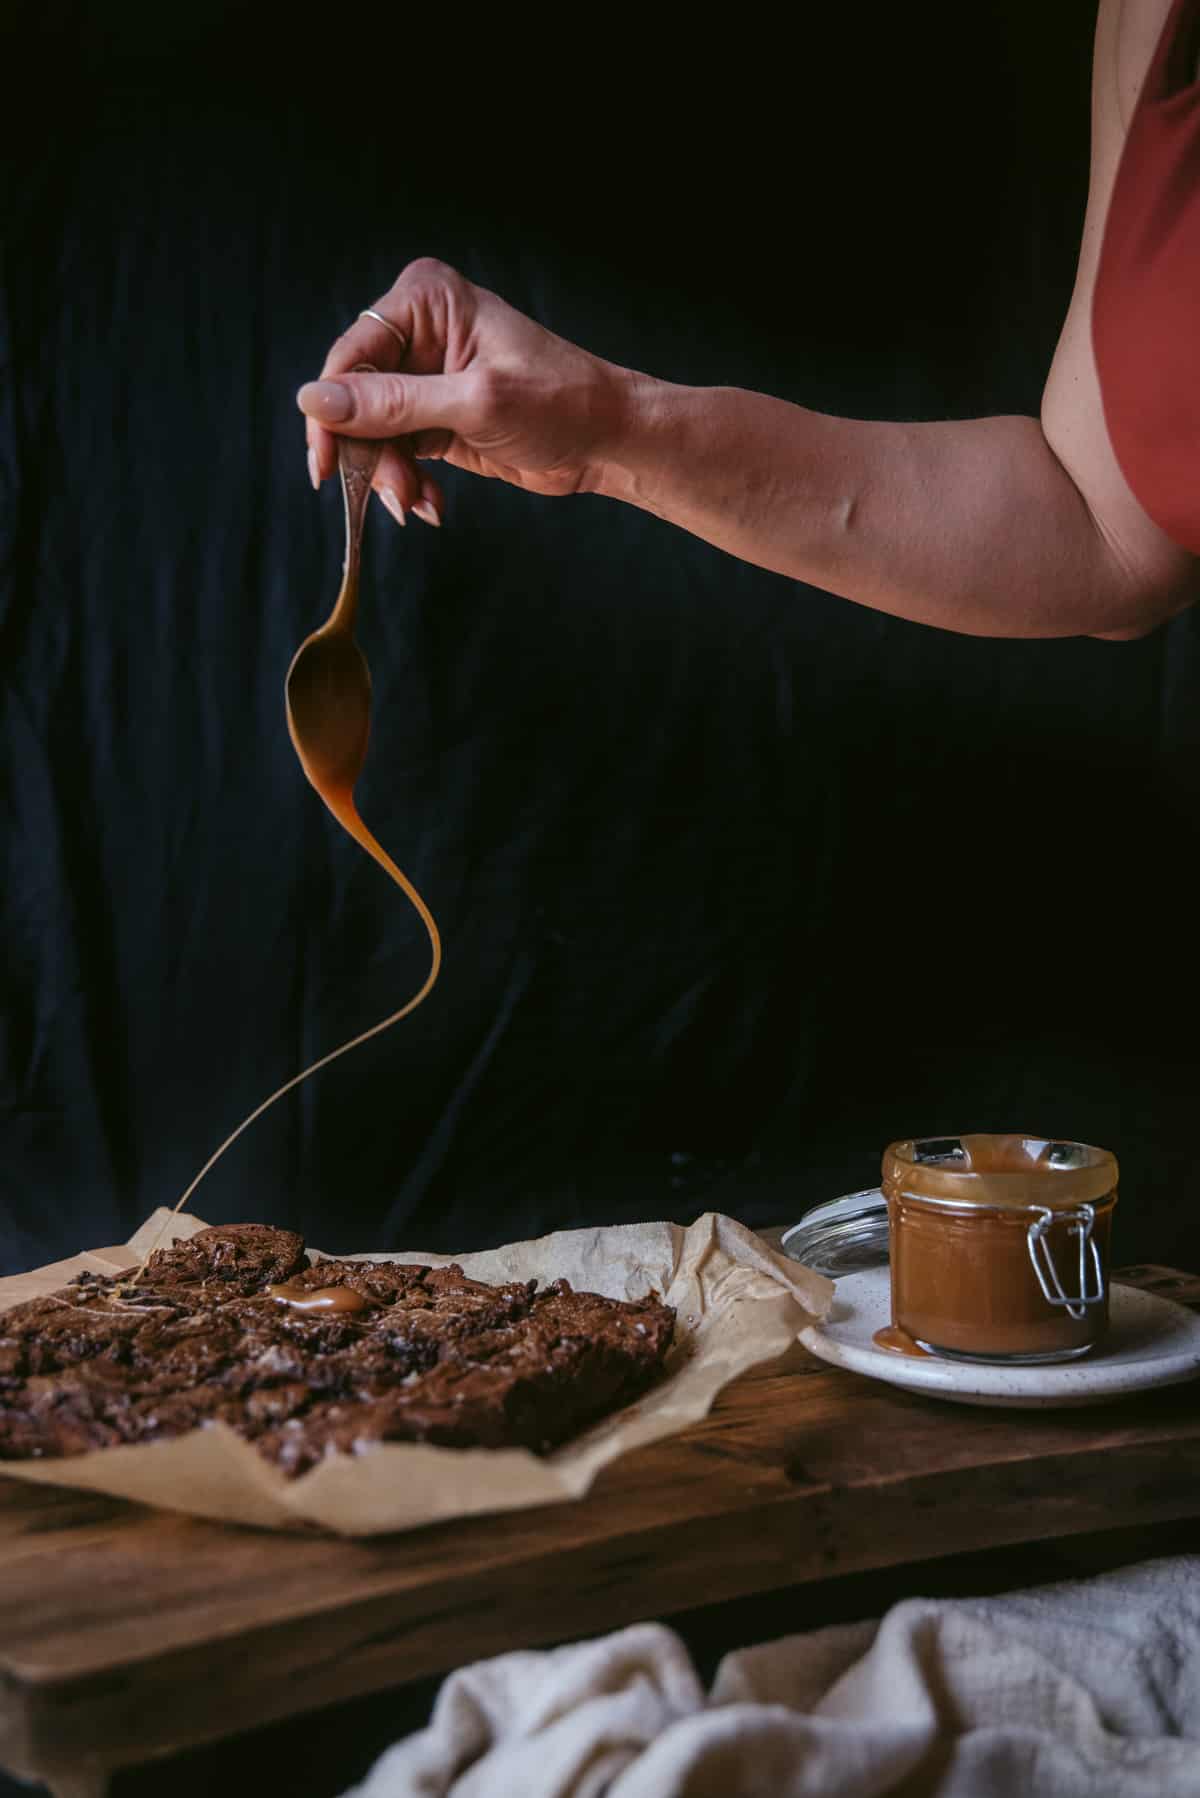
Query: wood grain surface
(118,1624)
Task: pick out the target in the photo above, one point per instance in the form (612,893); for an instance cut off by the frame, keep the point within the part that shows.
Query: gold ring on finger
(370,312)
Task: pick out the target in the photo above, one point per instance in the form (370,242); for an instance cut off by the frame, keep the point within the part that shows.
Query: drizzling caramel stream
(340,800)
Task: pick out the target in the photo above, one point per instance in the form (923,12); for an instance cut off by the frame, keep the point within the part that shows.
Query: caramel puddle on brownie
(325,1298)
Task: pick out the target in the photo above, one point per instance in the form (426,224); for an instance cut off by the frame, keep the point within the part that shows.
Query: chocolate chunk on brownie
(240,1257)
(65,1328)
(415,1288)
(219,1328)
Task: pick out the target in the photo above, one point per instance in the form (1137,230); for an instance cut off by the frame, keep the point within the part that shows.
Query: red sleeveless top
(1146,305)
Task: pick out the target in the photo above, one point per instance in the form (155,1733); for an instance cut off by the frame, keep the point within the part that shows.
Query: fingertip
(320,456)
(391,500)
(395,470)
(329,402)
(431,504)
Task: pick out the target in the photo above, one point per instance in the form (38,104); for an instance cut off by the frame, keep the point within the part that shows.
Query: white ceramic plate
(1152,1341)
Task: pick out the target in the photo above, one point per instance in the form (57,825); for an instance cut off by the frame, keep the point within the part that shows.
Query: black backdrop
(737,881)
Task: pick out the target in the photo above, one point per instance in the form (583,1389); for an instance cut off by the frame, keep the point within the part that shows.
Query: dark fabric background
(737,881)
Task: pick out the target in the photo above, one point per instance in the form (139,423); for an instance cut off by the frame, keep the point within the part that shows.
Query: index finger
(366,340)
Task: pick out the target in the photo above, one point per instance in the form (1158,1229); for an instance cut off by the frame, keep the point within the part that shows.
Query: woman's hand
(479,386)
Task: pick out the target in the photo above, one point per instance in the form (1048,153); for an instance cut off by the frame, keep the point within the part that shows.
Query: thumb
(385,405)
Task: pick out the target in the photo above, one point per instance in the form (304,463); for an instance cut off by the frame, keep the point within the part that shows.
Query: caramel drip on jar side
(339,797)
(323,1298)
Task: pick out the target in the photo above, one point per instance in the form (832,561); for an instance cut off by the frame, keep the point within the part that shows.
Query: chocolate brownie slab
(310,1359)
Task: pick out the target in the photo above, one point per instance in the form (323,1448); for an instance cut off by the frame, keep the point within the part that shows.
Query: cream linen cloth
(1083,1690)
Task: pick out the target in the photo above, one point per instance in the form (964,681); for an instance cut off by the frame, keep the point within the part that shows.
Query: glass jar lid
(841,1236)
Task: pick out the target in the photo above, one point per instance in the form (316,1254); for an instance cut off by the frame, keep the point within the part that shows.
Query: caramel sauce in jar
(999,1246)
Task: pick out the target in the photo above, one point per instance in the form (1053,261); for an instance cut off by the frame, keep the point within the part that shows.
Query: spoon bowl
(328,694)
(328,687)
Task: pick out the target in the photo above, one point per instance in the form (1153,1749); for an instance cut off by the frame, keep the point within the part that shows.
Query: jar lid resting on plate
(841,1236)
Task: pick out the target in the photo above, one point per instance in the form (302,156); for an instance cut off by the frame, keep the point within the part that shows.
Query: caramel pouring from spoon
(328,699)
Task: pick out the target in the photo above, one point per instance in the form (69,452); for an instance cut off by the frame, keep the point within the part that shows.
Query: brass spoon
(328,695)
(328,686)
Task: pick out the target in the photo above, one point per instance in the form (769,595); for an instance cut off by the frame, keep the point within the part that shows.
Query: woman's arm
(975,526)
(1004,527)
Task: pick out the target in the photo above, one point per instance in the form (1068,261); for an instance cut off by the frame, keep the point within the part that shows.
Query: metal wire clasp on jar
(1000,1245)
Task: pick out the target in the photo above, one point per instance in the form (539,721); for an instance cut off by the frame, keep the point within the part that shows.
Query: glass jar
(999,1245)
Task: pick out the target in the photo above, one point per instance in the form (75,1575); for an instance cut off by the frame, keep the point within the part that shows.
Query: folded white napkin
(1082,1690)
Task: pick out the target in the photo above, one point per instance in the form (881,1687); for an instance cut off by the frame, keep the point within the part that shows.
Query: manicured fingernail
(314,473)
(391,500)
(330,400)
(425,509)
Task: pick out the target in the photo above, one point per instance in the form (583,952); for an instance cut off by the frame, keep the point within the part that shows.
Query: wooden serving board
(118,1624)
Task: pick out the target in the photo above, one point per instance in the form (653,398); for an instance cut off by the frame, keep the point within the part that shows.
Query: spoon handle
(358,458)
